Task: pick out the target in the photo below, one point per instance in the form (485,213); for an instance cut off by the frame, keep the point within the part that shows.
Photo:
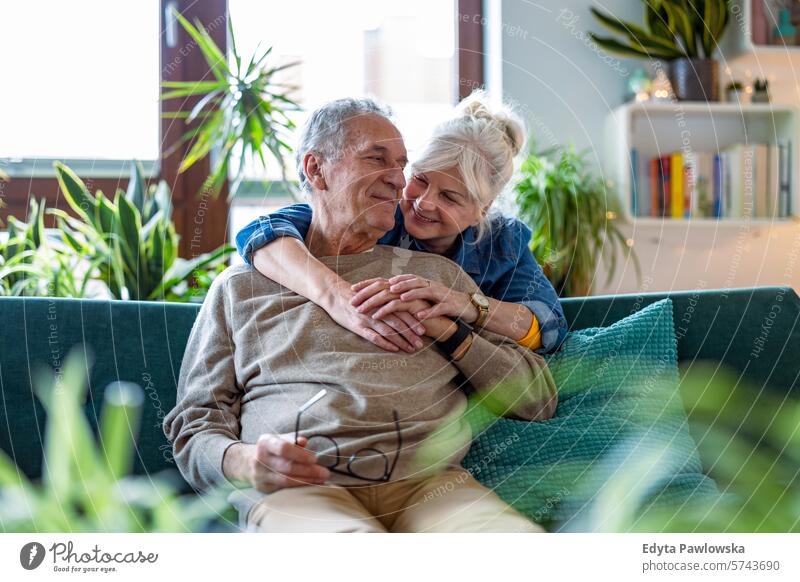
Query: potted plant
(685,33)
(572,217)
(241,112)
(761,91)
(734,92)
(86,485)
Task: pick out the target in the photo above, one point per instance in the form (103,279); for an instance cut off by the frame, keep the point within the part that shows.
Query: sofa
(754,331)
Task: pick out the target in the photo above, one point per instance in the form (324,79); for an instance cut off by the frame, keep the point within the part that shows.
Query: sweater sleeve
(514,380)
(205,420)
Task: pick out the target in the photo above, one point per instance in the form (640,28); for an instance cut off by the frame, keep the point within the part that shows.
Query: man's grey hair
(324,132)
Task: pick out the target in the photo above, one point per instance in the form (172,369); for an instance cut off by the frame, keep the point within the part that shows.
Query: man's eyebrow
(384,150)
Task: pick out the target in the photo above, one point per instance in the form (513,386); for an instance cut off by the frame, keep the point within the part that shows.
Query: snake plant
(131,238)
(572,217)
(241,111)
(673,29)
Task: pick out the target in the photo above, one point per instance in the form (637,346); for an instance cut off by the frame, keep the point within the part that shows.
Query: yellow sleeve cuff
(533,339)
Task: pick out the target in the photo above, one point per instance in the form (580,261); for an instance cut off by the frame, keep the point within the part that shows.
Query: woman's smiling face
(437,208)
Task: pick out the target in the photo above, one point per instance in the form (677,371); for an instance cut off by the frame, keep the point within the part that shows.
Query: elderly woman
(445,209)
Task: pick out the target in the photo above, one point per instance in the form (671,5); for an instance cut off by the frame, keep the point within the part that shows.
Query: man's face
(363,187)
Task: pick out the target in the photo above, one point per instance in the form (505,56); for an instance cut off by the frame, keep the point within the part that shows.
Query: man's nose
(395,178)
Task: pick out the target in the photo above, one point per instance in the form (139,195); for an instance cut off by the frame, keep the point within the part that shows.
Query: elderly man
(325,431)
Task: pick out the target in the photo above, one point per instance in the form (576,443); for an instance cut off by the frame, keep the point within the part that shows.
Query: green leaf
(137,187)
(75,192)
(215,58)
(183,269)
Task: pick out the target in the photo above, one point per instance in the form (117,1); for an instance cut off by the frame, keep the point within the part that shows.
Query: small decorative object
(679,33)
(638,86)
(761,91)
(795,19)
(785,32)
(734,92)
(661,88)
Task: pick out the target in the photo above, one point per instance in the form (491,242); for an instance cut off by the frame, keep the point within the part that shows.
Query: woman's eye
(420,179)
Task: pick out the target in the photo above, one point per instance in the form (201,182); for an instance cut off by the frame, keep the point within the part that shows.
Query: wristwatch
(482,305)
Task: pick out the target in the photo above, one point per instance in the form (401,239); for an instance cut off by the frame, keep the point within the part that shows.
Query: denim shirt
(501,263)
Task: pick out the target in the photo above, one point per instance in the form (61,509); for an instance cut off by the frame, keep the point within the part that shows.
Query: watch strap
(450,345)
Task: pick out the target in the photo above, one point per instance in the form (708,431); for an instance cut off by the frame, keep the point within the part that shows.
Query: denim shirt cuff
(552,326)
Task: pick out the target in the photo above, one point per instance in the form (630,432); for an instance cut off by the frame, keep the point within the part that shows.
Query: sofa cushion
(618,397)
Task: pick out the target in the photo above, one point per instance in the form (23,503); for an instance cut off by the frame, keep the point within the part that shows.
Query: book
(773,180)
(665,204)
(655,186)
(760,182)
(716,205)
(676,185)
(644,186)
(634,182)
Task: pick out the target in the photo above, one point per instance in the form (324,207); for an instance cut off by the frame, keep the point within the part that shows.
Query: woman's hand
(374,296)
(387,295)
(394,332)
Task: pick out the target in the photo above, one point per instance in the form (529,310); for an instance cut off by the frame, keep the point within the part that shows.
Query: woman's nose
(425,201)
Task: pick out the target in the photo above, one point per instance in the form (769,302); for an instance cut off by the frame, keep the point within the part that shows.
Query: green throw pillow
(618,407)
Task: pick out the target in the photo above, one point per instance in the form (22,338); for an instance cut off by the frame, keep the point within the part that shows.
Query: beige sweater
(257,352)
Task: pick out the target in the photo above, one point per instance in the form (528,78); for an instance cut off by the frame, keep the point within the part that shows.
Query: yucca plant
(673,29)
(131,239)
(241,112)
(573,218)
(86,484)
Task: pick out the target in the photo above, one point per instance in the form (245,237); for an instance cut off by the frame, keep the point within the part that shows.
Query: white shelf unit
(656,129)
(738,38)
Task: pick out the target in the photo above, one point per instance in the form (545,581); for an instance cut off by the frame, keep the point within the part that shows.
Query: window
(401,53)
(81,84)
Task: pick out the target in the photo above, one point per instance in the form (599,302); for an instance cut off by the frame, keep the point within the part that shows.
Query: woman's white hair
(481,141)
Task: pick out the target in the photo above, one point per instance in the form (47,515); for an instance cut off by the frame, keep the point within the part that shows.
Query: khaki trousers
(452,501)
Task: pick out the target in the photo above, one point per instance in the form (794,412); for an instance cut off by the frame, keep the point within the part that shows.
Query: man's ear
(312,168)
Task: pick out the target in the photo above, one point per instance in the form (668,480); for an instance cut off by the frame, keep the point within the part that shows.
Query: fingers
(275,445)
(373,336)
(437,310)
(401,278)
(411,321)
(408,285)
(408,334)
(427,293)
(376,301)
(279,463)
(365,283)
(368,291)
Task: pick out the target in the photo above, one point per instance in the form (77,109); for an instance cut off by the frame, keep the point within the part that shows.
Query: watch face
(480,300)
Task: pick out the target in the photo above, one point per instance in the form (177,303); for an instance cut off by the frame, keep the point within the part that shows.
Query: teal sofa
(754,331)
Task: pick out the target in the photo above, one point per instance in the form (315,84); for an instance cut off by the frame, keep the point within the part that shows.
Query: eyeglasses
(357,459)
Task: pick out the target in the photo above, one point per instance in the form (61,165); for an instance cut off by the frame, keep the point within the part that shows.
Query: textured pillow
(618,399)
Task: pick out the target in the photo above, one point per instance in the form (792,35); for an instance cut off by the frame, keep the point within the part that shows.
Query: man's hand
(395,332)
(273,463)
(373,296)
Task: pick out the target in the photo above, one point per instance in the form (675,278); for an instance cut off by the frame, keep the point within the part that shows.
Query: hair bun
(477,105)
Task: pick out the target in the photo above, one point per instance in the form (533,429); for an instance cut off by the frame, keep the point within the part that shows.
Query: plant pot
(695,79)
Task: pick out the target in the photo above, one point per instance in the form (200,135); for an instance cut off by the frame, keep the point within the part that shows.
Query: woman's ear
(312,168)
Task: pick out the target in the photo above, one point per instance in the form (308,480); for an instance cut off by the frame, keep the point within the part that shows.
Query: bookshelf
(658,129)
(738,40)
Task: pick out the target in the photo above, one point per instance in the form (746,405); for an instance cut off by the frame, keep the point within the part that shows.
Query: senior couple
(327,378)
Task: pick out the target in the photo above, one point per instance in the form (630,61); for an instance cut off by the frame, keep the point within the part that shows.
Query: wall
(540,57)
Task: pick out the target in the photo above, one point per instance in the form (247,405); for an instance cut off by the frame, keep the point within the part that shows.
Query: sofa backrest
(753,330)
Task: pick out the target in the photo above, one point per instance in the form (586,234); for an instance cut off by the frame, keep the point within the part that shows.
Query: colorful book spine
(716,208)
(655,186)
(676,185)
(666,187)
(635,189)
